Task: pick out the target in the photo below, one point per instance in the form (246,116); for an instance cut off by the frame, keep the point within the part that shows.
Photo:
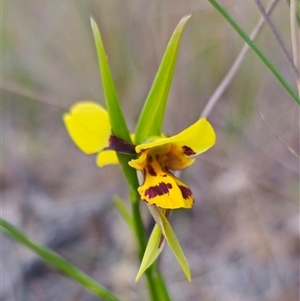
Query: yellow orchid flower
(158,157)
(89,126)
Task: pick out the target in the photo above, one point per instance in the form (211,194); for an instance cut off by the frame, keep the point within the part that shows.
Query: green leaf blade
(154,247)
(166,229)
(116,116)
(152,115)
(117,120)
(257,51)
(59,262)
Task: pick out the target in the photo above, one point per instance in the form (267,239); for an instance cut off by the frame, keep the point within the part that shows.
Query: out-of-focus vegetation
(241,237)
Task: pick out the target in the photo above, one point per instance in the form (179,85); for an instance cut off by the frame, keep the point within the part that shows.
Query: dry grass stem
(277,37)
(288,147)
(295,39)
(236,65)
(11,87)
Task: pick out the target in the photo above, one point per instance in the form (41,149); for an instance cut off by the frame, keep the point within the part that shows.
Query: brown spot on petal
(186,192)
(150,169)
(160,189)
(188,151)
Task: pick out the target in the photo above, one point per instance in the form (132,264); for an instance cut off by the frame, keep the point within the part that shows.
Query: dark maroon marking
(149,166)
(151,170)
(160,189)
(145,201)
(188,151)
(149,159)
(186,192)
(164,175)
(120,145)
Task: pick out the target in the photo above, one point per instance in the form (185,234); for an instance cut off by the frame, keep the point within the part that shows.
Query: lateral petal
(140,162)
(88,125)
(175,159)
(194,140)
(107,157)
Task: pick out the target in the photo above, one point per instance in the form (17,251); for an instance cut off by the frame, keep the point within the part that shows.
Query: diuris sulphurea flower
(162,155)
(89,127)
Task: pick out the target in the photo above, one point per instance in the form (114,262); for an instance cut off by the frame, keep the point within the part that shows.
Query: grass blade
(258,52)
(117,120)
(227,79)
(59,262)
(152,115)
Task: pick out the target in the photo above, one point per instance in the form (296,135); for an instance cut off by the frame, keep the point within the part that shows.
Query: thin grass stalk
(257,51)
(236,65)
(277,37)
(295,39)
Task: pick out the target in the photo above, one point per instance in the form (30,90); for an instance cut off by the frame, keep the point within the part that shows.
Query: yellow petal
(106,158)
(194,140)
(186,193)
(140,162)
(89,127)
(170,156)
(175,158)
(163,189)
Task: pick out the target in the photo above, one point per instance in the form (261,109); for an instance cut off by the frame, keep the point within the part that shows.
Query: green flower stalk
(97,130)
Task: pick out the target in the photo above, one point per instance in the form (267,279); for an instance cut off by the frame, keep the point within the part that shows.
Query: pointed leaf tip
(166,229)
(152,115)
(117,120)
(93,25)
(154,247)
(185,19)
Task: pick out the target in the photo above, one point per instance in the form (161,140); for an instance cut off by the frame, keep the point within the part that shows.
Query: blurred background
(242,236)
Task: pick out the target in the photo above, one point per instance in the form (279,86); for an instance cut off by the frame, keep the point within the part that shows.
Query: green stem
(59,262)
(164,294)
(156,284)
(258,52)
(140,234)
